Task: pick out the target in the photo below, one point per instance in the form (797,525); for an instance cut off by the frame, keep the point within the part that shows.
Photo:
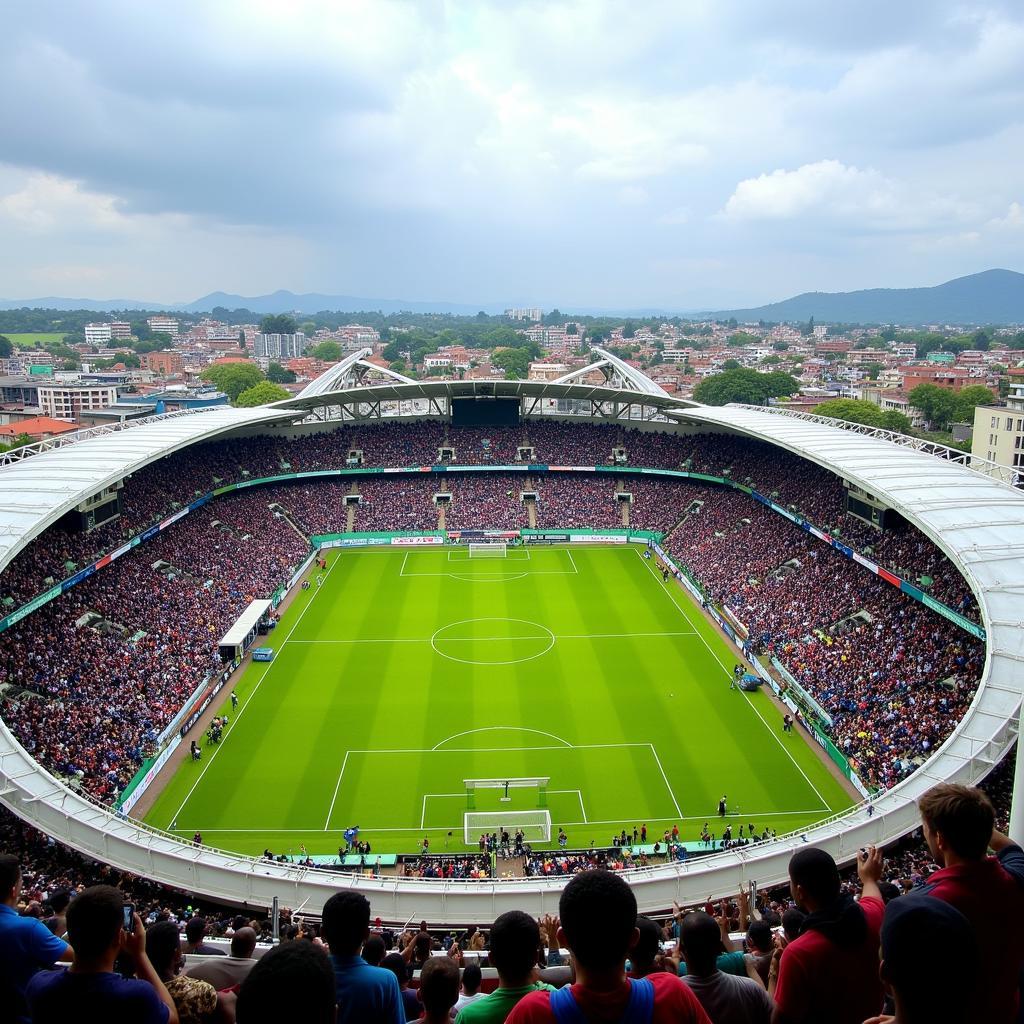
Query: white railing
(62,440)
(996,470)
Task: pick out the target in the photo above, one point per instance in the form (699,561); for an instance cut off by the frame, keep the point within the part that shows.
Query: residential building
(547,371)
(36,428)
(65,401)
(525,313)
(163,363)
(120,330)
(97,334)
(163,325)
(999,430)
(279,346)
(953,377)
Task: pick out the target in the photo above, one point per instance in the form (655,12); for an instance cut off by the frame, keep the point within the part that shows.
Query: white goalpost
(535,825)
(495,550)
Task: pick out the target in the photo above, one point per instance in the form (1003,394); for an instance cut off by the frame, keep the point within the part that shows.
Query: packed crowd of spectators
(164,487)
(850,949)
(448,866)
(485,500)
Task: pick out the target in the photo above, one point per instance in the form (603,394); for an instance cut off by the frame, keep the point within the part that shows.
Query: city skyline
(581,154)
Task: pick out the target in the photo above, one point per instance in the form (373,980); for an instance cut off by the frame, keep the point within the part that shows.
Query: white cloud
(833,193)
(1012,221)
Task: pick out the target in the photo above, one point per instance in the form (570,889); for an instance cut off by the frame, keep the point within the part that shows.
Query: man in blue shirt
(90,990)
(26,945)
(366,995)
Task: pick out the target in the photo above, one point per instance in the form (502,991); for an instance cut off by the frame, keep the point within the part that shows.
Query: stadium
(419,614)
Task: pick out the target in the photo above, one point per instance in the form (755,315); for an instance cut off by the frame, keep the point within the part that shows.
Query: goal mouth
(495,550)
(535,825)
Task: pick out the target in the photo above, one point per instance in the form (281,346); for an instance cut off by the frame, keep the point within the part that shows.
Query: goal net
(535,825)
(496,550)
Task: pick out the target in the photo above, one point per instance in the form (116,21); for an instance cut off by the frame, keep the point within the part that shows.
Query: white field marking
(423,813)
(675,803)
(401,571)
(547,635)
(337,786)
(462,796)
(252,693)
(491,577)
(488,639)
(671,597)
(522,556)
(503,728)
(709,817)
(572,561)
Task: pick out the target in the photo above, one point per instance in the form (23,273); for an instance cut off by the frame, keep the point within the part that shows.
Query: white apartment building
(68,401)
(280,346)
(97,334)
(999,430)
(526,313)
(120,330)
(163,325)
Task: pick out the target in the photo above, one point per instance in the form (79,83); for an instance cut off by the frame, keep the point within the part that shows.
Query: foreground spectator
(195,1000)
(195,932)
(515,938)
(728,999)
(90,990)
(597,911)
(395,963)
(959,827)
(439,989)
(472,979)
(914,928)
(365,994)
(228,971)
(830,973)
(26,944)
(292,983)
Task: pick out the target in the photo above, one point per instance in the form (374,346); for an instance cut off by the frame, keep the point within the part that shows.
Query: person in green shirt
(514,941)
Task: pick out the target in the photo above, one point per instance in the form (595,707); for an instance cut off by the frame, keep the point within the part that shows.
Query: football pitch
(411,670)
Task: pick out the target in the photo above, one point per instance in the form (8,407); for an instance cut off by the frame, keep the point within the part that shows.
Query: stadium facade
(972,514)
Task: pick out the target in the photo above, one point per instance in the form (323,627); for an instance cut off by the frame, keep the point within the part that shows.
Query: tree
(968,398)
(937,405)
(730,364)
(571,328)
(629,329)
(15,442)
(741,339)
(857,410)
(874,369)
(277,323)
(279,375)
(514,361)
(233,378)
(781,346)
(981,341)
(744,385)
(6,347)
(263,393)
(328,351)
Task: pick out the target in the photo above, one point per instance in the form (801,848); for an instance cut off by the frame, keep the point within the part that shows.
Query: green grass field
(411,670)
(31,339)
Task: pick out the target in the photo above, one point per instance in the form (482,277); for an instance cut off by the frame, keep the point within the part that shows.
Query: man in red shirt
(830,973)
(597,911)
(959,828)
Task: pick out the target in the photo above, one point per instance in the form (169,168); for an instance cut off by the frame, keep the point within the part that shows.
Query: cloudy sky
(683,154)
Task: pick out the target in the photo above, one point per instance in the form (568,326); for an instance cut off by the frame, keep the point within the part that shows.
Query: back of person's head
(515,937)
(439,985)
(914,929)
(793,923)
(292,982)
(10,874)
(395,963)
(422,945)
(962,815)
(814,873)
(701,939)
(195,929)
(243,943)
(759,937)
(59,901)
(374,950)
(597,911)
(472,979)
(647,948)
(95,917)
(163,946)
(346,921)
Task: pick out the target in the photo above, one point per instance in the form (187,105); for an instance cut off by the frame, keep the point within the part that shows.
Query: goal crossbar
(535,825)
(488,550)
(538,782)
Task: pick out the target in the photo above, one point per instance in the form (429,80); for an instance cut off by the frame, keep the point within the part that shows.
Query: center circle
(492,641)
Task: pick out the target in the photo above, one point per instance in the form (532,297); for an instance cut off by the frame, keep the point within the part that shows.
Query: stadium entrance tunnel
(492,641)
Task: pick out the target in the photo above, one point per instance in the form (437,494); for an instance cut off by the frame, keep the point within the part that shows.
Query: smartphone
(129,917)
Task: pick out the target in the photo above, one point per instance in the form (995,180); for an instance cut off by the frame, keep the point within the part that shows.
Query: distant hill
(991,297)
(95,305)
(313,302)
